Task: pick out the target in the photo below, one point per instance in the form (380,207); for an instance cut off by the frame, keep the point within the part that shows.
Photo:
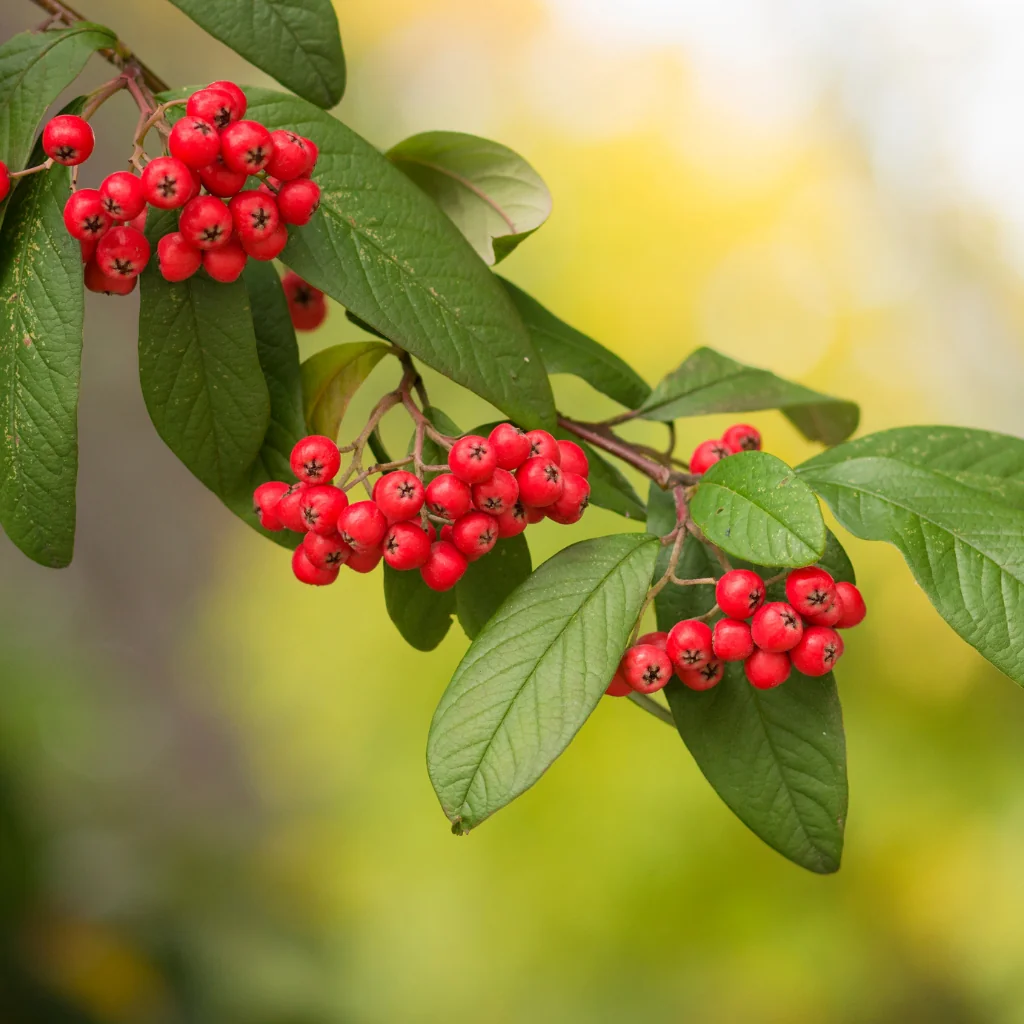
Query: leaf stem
(652,707)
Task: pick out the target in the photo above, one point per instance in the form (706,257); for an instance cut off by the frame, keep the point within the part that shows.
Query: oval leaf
(708,382)
(534,674)
(294,41)
(776,757)
(489,580)
(331,377)
(420,614)
(492,195)
(755,507)
(963,539)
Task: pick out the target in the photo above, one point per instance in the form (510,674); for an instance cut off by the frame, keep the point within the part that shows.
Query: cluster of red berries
(779,635)
(739,438)
(213,153)
(496,487)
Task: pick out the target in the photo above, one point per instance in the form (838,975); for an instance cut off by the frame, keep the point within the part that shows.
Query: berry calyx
(472,459)
(177,259)
(84,216)
(731,640)
(706,454)
(776,627)
(264,503)
(97,281)
(703,678)
(255,216)
(742,438)
(406,546)
(68,139)
(646,668)
(239,103)
(511,445)
(291,157)
(740,593)
(226,263)
(810,590)
(219,180)
(572,502)
(315,459)
(362,526)
(216,106)
(618,687)
(326,552)
(399,495)
(320,506)
(448,497)
(122,252)
(246,146)
(298,200)
(194,141)
(306,572)
(289,508)
(851,606)
(123,196)
(818,651)
(689,644)
(445,566)
(167,183)
(205,223)
(474,535)
(543,446)
(573,459)
(497,494)
(540,482)
(512,521)
(767,669)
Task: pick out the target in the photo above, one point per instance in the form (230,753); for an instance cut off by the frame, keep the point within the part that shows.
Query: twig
(652,707)
(673,561)
(380,467)
(44,166)
(703,581)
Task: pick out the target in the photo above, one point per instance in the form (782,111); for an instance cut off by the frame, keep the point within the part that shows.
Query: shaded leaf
(489,581)
(331,377)
(422,615)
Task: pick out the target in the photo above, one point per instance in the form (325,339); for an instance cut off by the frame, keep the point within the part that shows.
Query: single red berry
(196,180)
(84,216)
(289,508)
(776,627)
(540,482)
(5,181)
(818,651)
(123,196)
(475,534)
(658,638)
(315,459)
(326,552)
(742,438)
(618,687)
(362,526)
(706,454)
(314,155)
(646,668)
(139,222)
(497,494)
(448,497)
(226,263)
(446,532)
(511,445)
(829,617)
(167,183)
(689,644)
(246,146)
(740,593)
(573,459)
(68,139)
(767,669)
(309,317)
(97,281)
(406,546)
(88,250)
(264,503)
(298,200)
(399,495)
(270,186)
(472,459)
(703,678)
(194,141)
(291,155)
(238,100)
(219,180)
(543,446)
(255,216)
(122,252)
(268,248)
(216,106)
(851,606)
(445,566)
(811,590)
(299,291)
(364,561)
(731,640)
(512,521)
(178,260)
(205,223)
(572,503)
(306,572)
(320,506)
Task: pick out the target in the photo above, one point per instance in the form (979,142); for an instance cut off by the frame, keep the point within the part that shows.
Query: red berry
(658,639)
(226,263)
(310,317)
(740,593)
(315,459)
(533,515)
(512,521)
(314,151)
(364,561)
(97,281)
(289,508)
(706,454)
(139,222)
(399,495)
(298,200)
(818,651)
(205,223)
(326,552)
(472,459)
(362,526)
(238,100)
(246,146)
(540,482)
(496,495)
(742,438)
(68,139)
(406,546)
(268,248)
(84,216)
(829,617)
(766,669)
(88,250)
(320,507)
(851,606)
(618,687)
(731,640)
(218,179)
(511,445)
(123,196)
(122,252)
(178,260)
(703,678)
(291,156)
(264,503)
(811,590)
(646,668)
(255,216)
(776,627)
(573,459)
(217,106)
(5,181)
(474,535)
(194,141)
(306,572)
(572,503)
(448,497)
(543,446)
(445,566)
(167,183)
(299,291)
(689,644)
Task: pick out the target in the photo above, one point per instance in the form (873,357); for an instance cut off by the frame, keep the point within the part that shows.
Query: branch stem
(652,707)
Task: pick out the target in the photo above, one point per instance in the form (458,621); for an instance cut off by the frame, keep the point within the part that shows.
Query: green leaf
(609,487)
(385,251)
(41,315)
(489,581)
(915,488)
(753,506)
(294,41)
(534,674)
(422,615)
(708,382)
(776,757)
(566,350)
(331,377)
(493,196)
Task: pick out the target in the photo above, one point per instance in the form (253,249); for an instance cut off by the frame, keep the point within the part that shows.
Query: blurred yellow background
(218,775)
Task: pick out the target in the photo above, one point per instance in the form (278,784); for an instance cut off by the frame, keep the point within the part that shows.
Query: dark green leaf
(294,41)
(566,350)
(776,757)
(493,196)
(609,487)
(963,542)
(422,615)
(534,674)
(363,325)
(489,580)
(331,377)
(753,506)
(708,382)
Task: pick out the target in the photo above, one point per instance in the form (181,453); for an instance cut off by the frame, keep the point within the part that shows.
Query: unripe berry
(218,179)
(511,446)
(298,200)
(573,459)
(320,506)
(742,438)
(362,526)
(543,446)
(255,216)
(810,590)
(706,454)
(703,678)
(406,546)
(445,566)
(226,263)
(540,482)
(264,503)
(291,156)
(122,252)
(84,216)
(315,459)
(238,101)
(306,572)
(399,495)
(246,146)
(572,502)
(818,651)
(740,593)
(364,561)
(658,638)
(289,508)
(97,281)
(512,521)
(178,260)
(618,687)
(447,496)
(646,668)
(205,223)
(194,141)
(472,459)
(776,627)
(767,669)
(68,140)
(5,181)
(216,106)
(851,606)
(326,552)
(731,640)
(268,248)
(475,534)
(123,196)
(167,183)
(689,644)
(496,495)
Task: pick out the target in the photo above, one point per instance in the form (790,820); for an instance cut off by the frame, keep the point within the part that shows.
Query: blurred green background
(213,799)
